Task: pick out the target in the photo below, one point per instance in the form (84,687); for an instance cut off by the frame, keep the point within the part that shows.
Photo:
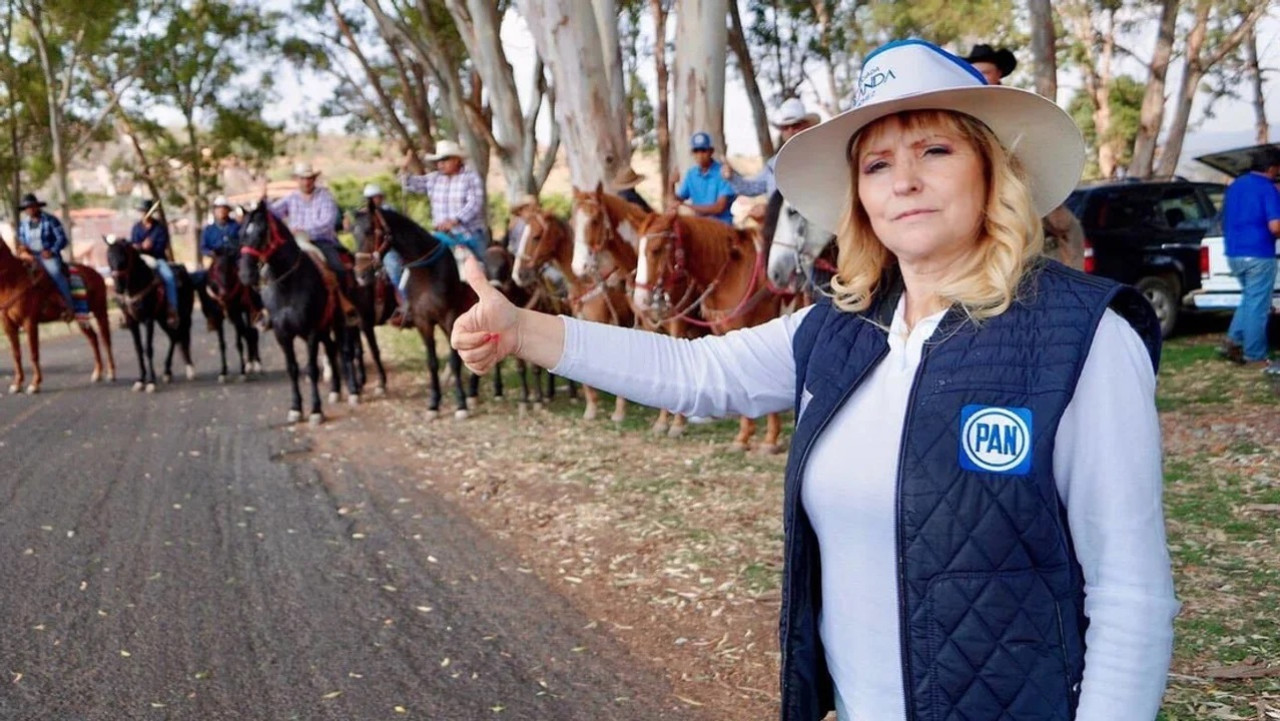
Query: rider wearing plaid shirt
(457,199)
(312,210)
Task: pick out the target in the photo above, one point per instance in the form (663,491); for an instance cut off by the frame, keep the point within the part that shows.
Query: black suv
(1147,233)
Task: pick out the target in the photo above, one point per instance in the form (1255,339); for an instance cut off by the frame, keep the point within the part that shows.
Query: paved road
(186,556)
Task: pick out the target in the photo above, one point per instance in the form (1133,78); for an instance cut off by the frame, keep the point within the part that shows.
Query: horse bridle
(275,241)
(121,278)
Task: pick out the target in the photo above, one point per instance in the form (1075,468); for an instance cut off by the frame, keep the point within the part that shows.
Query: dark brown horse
(706,273)
(436,293)
(547,241)
(224,298)
(140,294)
(28,298)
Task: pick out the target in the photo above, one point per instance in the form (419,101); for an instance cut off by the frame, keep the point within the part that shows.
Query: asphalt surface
(186,555)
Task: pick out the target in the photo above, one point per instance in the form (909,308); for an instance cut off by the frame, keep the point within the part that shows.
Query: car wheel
(1162,293)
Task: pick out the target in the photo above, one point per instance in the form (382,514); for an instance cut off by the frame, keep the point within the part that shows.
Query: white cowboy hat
(813,169)
(372,190)
(221,201)
(793,111)
(304,170)
(447,149)
(524,202)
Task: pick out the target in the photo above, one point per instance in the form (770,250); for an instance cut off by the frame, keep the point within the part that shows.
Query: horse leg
(222,348)
(746,432)
(313,374)
(497,380)
(376,352)
(455,364)
(253,338)
(357,341)
(92,337)
(573,389)
(677,426)
(184,341)
(33,345)
(237,323)
(663,424)
(772,436)
(619,410)
(15,346)
(349,345)
(589,414)
(551,386)
(168,356)
(150,372)
(291,367)
(433,368)
(136,333)
(473,387)
(104,332)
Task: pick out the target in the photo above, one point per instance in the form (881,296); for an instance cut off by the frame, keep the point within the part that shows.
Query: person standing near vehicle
(1250,226)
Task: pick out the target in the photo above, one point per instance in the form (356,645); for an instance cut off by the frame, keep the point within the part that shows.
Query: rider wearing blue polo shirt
(703,189)
(1250,226)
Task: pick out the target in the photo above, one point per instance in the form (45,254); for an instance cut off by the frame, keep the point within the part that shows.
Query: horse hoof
(223,378)
(589,414)
(433,415)
(618,417)
(96,377)
(14,389)
(460,415)
(315,419)
(295,416)
(660,429)
(151,387)
(33,389)
(137,387)
(112,377)
(168,378)
(333,397)
(380,391)
(191,373)
(353,400)
(675,432)
(499,397)
(740,447)
(769,449)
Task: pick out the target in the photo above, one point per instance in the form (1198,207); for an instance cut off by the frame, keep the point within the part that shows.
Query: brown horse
(28,298)
(602,298)
(689,265)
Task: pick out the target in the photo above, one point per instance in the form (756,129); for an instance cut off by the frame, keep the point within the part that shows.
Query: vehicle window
(1124,208)
(1180,208)
(1214,193)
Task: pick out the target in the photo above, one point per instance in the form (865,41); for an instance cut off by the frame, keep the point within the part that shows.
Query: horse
(224,297)
(801,255)
(548,241)
(721,269)
(140,294)
(436,292)
(302,299)
(28,298)
(374,298)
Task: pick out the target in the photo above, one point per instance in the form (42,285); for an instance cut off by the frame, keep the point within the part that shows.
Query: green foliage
(1125,96)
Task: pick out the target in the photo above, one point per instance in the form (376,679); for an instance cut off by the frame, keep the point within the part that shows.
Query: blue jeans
(1249,325)
(394,266)
(472,241)
(170,284)
(53,266)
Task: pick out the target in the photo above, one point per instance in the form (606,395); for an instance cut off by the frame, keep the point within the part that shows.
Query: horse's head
(120,258)
(537,245)
(591,229)
(222,269)
(657,261)
(369,229)
(795,247)
(256,244)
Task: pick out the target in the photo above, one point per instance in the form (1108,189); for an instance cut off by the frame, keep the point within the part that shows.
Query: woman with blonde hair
(972,512)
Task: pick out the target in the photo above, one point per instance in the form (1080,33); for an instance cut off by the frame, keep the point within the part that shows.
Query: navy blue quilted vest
(991,595)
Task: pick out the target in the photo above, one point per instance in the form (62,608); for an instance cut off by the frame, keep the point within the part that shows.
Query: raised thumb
(473,273)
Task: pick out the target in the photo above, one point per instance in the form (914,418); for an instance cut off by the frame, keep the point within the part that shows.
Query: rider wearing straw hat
(41,237)
(791,119)
(311,211)
(223,234)
(624,185)
(457,198)
(972,509)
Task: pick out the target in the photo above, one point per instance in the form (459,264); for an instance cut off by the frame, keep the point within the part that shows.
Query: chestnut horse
(28,298)
(689,264)
(547,241)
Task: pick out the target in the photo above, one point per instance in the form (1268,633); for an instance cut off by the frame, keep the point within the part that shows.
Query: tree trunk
(661,113)
(1263,130)
(738,42)
(55,116)
(1044,51)
(567,35)
(197,189)
(1152,114)
(698,96)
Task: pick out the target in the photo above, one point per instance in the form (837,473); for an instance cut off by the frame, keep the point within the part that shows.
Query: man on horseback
(457,199)
(312,211)
(392,263)
(791,119)
(41,237)
(221,237)
(624,186)
(151,237)
(703,190)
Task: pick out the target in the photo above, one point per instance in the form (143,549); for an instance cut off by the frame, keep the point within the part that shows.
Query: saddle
(331,281)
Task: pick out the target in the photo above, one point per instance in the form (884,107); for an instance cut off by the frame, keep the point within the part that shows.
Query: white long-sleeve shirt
(1106,462)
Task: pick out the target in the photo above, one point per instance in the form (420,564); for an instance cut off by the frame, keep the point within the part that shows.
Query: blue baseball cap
(701,141)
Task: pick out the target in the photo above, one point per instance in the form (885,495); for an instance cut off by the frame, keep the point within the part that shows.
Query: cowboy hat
(793,111)
(372,190)
(304,170)
(523,203)
(1003,58)
(813,169)
(29,200)
(626,179)
(447,149)
(221,202)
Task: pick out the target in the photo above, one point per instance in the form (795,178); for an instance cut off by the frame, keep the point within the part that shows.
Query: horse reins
(275,241)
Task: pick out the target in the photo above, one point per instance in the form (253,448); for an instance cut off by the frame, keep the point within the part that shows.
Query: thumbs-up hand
(490,330)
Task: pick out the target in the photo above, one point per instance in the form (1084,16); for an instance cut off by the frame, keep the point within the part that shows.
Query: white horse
(796,246)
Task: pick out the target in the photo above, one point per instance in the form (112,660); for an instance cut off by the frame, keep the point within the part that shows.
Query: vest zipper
(897,523)
(804,458)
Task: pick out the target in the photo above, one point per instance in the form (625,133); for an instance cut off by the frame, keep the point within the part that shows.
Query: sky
(1231,126)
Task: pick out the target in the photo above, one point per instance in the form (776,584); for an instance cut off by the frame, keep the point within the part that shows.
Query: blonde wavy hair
(1010,236)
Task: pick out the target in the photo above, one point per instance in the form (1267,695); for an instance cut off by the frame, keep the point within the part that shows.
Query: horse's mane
(621,208)
(714,231)
(772,213)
